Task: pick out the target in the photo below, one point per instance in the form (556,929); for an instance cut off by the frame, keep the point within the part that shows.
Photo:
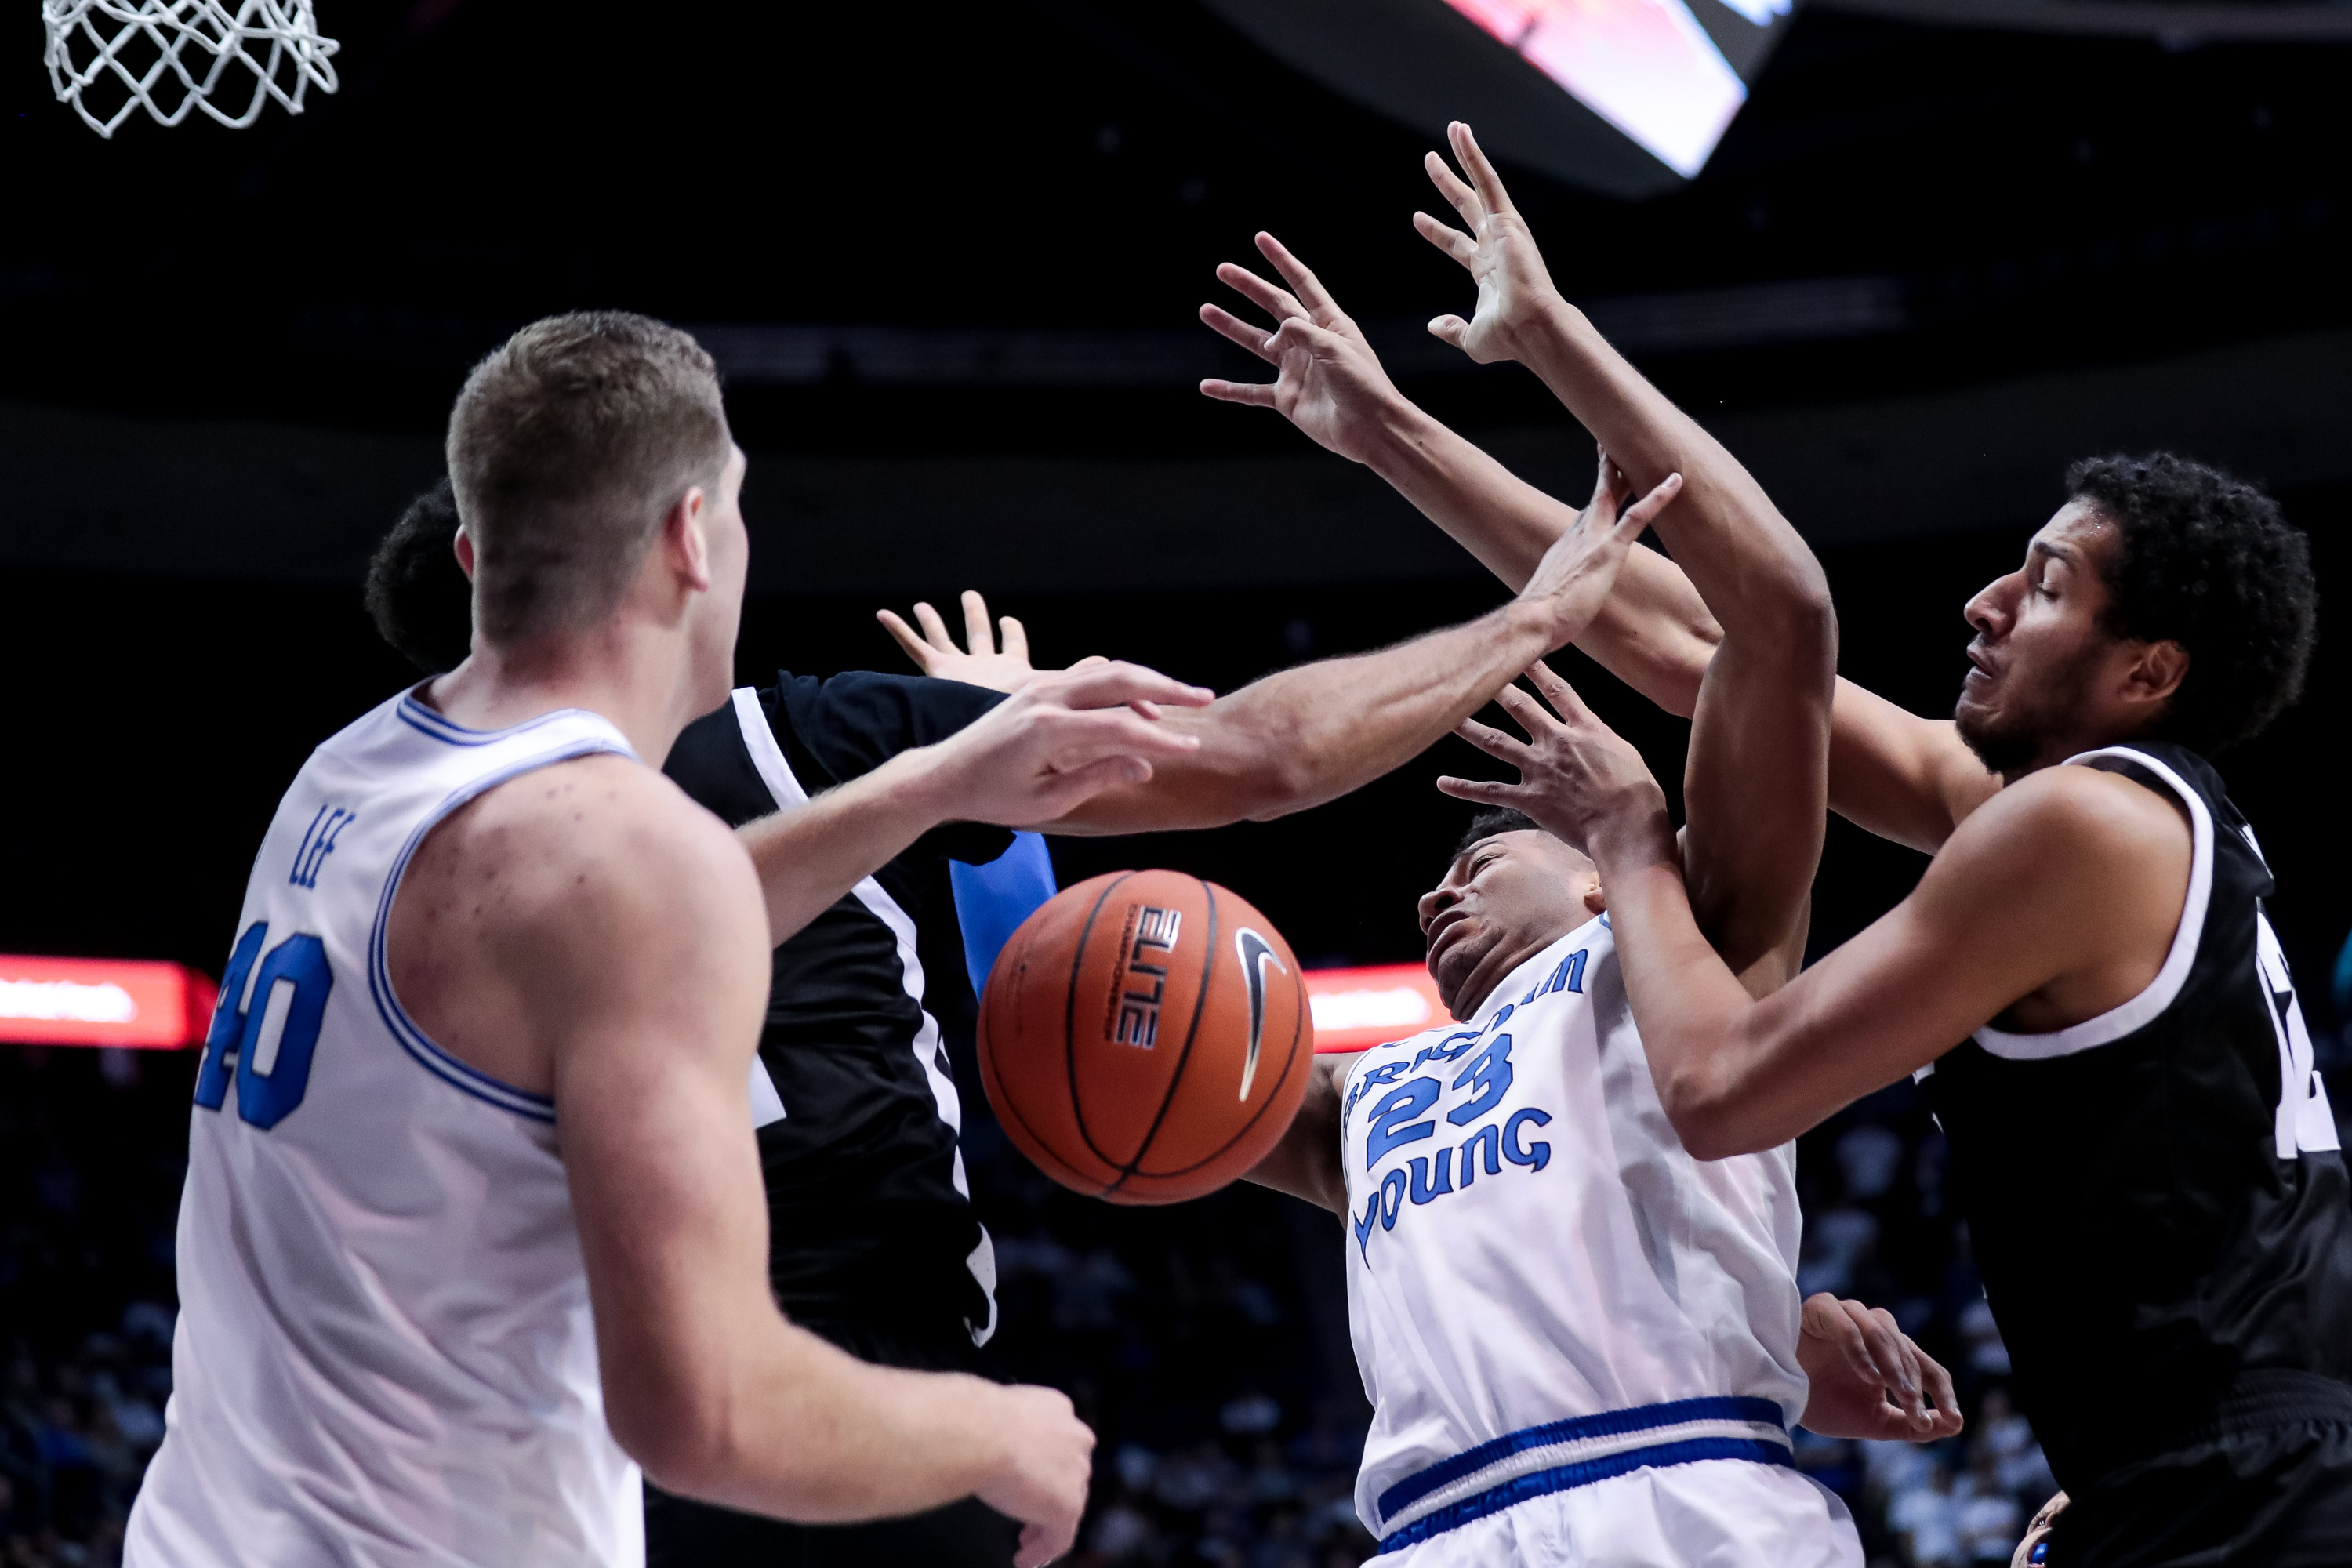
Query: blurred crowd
(1207,1342)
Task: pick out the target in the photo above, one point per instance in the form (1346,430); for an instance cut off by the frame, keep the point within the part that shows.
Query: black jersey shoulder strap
(2161,992)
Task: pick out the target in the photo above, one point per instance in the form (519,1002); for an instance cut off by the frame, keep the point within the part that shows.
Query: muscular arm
(1302,736)
(1891,772)
(2053,902)
(1306,1162)
(593,925)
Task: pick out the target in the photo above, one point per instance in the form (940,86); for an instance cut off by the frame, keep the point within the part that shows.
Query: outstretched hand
(1499,253)
(1868,1379)
(1060,740)
(1573,579)
(1578,778)
(984,664)
(1328,382)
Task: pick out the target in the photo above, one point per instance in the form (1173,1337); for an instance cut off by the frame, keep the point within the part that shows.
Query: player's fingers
(1451,186)
(1534,718)
(977,637)
(1637,516)
(1257,394)
(1886,1342)
(1300,276)
(1499,743)
(1115,683)
(935,630)
(1089,736)
(1446,237)
(1482,174)
(1015,641)
(1298,333)
(1091,661)
(1484,792)
(1939,1382)
(904,635)
(1557,691)
(1451,330)
(1233,330)
(1274,302)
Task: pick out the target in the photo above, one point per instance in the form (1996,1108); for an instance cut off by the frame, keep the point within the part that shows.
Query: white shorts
(1713,1513)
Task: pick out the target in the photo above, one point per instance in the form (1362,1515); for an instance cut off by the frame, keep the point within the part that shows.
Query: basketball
(1144,1037)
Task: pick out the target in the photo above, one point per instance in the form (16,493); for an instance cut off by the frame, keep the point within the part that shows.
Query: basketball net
(168,57)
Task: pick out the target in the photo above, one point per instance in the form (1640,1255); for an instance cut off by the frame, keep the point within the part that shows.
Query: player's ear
(464,546)
(2155,671)
(1596,896)
(685,539)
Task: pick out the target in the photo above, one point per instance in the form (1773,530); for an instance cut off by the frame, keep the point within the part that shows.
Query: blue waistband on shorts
(1584,1449)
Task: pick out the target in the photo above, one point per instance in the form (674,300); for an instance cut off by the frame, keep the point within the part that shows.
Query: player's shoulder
(603,829)
(2069,821)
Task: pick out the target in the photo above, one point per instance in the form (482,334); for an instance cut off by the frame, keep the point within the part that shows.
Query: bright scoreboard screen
(1645,65)
(102,1002)
(1355,1009)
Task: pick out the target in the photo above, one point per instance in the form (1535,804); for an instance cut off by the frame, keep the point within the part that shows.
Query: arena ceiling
(928,233)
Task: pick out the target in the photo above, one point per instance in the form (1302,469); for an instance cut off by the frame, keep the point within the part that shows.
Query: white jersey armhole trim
(768,758)
(2118,1021)
(422,1048)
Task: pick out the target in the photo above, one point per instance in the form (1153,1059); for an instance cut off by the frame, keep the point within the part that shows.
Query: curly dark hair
(416,593)
(2211,563)
(1492,820)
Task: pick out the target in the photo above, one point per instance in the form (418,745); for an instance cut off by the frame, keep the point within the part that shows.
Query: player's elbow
(1706,1116)
(1282,780)
(677,1439)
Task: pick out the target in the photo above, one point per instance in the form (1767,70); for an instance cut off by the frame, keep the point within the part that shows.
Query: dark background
(225,357)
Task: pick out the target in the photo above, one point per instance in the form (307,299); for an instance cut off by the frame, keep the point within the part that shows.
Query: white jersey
(1548,1291)
(384,1354)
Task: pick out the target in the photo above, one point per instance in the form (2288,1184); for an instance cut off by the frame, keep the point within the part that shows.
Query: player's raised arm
(1302,736)
(1903,777)
(633,950)
(2068,878)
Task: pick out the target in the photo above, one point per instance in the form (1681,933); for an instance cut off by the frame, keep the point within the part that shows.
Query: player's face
(2040,656)
(720,611)
(1504,900)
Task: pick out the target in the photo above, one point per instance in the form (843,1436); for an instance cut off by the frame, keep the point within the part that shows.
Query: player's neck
(1496,967)
(638,678)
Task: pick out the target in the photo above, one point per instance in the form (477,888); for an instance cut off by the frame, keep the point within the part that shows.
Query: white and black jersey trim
(2124,1018)
(768,758)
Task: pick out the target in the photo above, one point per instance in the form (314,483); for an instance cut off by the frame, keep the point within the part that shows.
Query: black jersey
(870,1220)
(2155,1195)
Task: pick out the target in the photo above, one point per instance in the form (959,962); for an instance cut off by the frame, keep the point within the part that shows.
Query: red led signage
(1355,1009)
(102,1002)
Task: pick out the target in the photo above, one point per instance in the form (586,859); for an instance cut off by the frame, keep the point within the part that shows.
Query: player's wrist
(1546,331)
(927,786)
(1634,832)
(1397,438)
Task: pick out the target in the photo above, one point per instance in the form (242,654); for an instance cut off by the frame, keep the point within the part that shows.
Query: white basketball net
(168,57)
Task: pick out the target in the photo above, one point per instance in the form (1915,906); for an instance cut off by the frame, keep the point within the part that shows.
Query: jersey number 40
(266,1044)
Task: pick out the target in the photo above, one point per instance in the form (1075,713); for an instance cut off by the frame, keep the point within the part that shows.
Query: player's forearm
(1692,1010)
(1305,1162)
(808,857)
(816,1436)
(1654,633)
(1754,570)
(1311,734)
(1302,736)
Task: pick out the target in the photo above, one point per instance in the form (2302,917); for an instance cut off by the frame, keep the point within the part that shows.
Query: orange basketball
(1145,1037)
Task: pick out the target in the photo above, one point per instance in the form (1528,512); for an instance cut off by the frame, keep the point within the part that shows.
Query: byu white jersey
(384,1354)
(1547,1290)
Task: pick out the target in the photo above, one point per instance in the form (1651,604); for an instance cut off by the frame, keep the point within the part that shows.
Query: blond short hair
(567,446)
